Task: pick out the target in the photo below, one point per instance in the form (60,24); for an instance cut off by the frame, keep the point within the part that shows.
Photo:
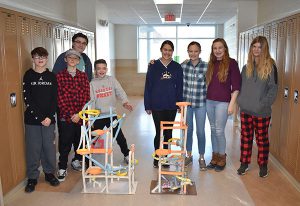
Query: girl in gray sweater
(258,92)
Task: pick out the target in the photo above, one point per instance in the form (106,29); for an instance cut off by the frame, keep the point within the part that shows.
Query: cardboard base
(116,187)
(190,189)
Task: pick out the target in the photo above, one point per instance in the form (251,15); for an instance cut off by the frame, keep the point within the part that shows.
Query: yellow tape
(93,112)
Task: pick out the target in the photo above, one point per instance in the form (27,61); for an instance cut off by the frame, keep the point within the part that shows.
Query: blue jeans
(200,116)
(217,116)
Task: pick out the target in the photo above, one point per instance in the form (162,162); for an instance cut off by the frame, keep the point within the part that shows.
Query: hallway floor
(222,188)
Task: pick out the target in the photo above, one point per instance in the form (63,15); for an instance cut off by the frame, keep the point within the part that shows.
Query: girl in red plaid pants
(258,92)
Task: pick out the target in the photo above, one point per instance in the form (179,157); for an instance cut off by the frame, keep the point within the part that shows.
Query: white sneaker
(61,175)
(76,165)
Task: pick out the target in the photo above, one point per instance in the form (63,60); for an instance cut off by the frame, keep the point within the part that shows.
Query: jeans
(40,148)
(200,116)
(217,116)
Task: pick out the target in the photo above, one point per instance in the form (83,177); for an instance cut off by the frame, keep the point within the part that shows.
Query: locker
(24,31)
(5,159)
(290,78)
(14,172)
(246,49)
(36,33)
(267,33)
(58,41)
(283,90)
(48,43)
(241,50)
(294,122)
(276,107)
(67,39)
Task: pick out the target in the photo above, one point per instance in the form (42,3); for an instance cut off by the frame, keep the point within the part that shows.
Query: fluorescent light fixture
(168,1)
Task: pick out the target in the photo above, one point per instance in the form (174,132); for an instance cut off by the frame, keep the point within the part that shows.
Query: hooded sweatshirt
(105,91)
(257,96)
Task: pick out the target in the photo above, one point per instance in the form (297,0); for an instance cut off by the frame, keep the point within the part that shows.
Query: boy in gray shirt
(104,92)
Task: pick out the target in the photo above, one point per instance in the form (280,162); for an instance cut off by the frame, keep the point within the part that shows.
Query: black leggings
(121,140)
(158,116)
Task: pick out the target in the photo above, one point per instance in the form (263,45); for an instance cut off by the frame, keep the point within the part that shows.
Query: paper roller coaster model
(103,176)
(174,179)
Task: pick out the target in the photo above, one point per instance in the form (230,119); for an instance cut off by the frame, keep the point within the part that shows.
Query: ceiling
(139,12)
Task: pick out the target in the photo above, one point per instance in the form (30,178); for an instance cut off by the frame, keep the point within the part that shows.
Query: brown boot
(213,162)
(221,163)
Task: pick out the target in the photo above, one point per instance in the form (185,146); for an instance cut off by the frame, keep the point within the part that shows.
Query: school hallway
(222,188)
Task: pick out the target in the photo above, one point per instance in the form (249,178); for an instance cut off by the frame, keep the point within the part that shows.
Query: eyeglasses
(72,58)
(40,57)
(80,42)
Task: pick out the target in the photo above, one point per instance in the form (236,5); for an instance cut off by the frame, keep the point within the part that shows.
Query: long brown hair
(265,63)
(224,64)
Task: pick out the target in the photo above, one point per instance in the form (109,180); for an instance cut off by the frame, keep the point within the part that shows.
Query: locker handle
(13,99)
(296,96)
(286,92)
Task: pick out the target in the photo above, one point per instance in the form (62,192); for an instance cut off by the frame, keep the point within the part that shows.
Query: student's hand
(230,109)
(186,61)
(75,118)
(46,122)
(128,106)
(151,61)
(149,112)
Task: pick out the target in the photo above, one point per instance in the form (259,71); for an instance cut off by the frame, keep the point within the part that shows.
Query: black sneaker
(243,169)
(263,171)
(49,177)
(61,175)
(165,165)
(155,163)
(30,187)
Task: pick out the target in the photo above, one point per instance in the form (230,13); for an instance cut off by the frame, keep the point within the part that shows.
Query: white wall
(59,10)
(246,15)
(269,10)
(125,41)
(86,14)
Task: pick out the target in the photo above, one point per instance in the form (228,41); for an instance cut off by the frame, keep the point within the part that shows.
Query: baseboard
(289,177)
(1,194)
(11,194)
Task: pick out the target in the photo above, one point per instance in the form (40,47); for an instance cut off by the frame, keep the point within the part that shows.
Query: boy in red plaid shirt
(73,93)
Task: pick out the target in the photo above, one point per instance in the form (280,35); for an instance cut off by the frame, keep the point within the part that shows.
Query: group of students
(64,91)
(213,88)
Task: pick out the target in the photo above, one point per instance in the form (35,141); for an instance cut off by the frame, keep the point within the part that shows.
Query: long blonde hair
(224,64)
(265,64)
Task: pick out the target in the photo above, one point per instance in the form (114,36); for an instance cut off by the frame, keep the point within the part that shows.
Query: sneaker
(263,171)
(202,164)
(155,163)
(243,169)
(76,165)
(188,160)
(61,175)
(165,165)
(30,187)
(49,177)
